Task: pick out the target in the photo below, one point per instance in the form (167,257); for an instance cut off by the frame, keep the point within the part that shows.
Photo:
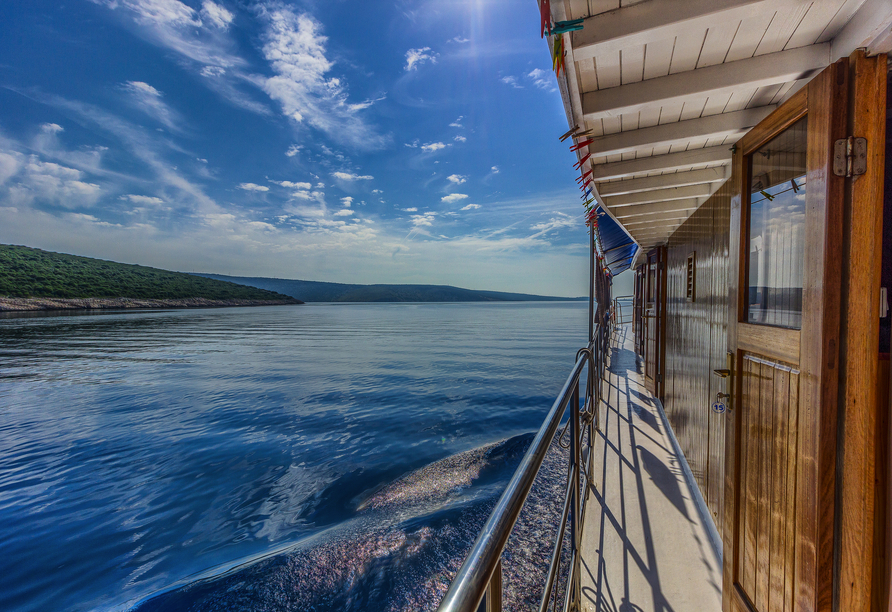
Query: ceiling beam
(655,208)
(679,179)
(680,132)
(751,73)
(868,28)
(653,20)
(659,195)
(668,163)
(646,232)
(656,221)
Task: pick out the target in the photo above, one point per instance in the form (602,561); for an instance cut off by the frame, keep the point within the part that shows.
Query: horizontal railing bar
(469,585)
(558,546)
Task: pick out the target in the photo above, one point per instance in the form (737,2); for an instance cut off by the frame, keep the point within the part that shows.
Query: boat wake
(402,547)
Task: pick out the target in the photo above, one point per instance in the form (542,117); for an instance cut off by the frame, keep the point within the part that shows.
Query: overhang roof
(668,86)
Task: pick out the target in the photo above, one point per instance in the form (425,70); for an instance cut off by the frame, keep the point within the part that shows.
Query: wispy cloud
(560,221)
(470,207)
(542,79)
(459,40)
(141,199)
(458,179)
(457,122)
(494,170)
(347,201)
(151,102)
(454,197)
(295,48)
(433,146)
(291,185)
(344,212)
(253,187)
(215,14)
(418,57)
(459,139)
(511,80)
(293,150)
(349,176)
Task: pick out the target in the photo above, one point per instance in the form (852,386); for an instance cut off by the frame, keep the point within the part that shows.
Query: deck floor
(645,545)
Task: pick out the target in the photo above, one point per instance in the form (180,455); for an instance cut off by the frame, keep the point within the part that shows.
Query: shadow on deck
(645,546)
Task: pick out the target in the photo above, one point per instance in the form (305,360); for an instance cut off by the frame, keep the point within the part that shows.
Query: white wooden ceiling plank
(764,95)
(782,92)
(675,179)
(714,142)
(661,150)
(657,58)
(749,35)
(739,100)
(649,117)
(597,161)
(816,20)
(613,125)
(687,51)
(646,21)
(577,9)
(616,157)
(608,68)
(628,155)
(596,126)
(632,64)
(669,113)
(716,104)
(630,121)
(842,17)
(596,7)
(587,76)
(718,40)
(697,143)
(692,109)
(663,162)
(778,34)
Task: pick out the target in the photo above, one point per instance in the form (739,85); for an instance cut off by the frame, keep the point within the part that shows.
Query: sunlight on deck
(645,546)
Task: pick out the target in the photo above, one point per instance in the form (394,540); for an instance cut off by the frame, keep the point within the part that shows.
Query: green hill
(314,291)
(33,273)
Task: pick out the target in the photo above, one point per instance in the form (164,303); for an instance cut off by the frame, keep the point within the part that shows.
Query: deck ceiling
(668,86)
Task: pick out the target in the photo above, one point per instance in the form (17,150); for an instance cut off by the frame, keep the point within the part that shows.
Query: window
(691,285)
(776,197)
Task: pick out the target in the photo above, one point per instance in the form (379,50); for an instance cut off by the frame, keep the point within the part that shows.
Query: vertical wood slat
(781,458)
(763,497)
(790,502)
(868,119)
(750,480)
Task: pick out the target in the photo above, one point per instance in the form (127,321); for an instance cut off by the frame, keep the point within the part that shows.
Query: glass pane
(776,229)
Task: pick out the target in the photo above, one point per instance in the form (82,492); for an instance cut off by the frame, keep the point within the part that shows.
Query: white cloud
(512,81)
(347,176)
(213,71)
(460,40)
(344,212)
(562,220)
(433,146)
(423,220)
(459,139)
(319,185)
(412,209)
(541,79)
(216,14)
(494,170)
(141,199)
(457,122)
(295,47)
(51,128)
(10,164)
(470,207)
(293,150)
(347,201)
(458,179)
(377,191)
(453,197)
(417,57)
(49,183)
(290,185)
(253,187)
(150,101)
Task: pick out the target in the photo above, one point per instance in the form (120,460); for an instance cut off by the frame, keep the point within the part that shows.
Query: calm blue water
(316,457)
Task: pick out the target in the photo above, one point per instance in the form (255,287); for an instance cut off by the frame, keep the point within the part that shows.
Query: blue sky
(412,141)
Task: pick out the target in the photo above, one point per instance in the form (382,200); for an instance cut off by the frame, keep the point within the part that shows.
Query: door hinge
(850,156)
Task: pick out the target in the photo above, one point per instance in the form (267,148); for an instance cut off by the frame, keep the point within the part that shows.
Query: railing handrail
(471,581)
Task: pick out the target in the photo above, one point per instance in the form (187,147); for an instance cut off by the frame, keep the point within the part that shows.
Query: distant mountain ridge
(315,291)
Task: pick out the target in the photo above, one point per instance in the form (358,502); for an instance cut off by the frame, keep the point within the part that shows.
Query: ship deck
(646,544)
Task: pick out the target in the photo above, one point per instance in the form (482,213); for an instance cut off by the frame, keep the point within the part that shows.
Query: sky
(411,141)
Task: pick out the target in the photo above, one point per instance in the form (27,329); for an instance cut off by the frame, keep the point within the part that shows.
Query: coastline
(16,304)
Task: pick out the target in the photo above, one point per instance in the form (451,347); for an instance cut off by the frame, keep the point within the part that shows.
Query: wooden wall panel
(696,343)
(768,463)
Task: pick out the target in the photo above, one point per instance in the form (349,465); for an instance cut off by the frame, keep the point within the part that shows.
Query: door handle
(724,373)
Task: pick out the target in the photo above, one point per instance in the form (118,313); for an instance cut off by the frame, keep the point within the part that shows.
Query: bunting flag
(562,27)
(587,193)
(578,164)
(583,177)
(583,144)
(545,14)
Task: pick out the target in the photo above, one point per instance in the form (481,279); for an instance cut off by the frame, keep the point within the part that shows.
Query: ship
(727,425)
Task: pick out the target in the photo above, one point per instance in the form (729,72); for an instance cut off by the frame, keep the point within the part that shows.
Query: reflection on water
(336,457)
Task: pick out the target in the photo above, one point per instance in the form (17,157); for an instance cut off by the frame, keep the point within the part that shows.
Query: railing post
(492,599)
(577,506)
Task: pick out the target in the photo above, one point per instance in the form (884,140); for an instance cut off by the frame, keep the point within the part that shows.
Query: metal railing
(477,586)
(622,309)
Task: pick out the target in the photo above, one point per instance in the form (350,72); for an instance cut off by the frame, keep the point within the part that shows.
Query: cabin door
(783,335)
(652,327)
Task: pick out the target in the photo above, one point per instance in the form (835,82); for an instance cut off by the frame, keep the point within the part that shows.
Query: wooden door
(783,332)
(651,321)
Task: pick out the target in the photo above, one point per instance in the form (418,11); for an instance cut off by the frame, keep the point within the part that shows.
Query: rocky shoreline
(13,304)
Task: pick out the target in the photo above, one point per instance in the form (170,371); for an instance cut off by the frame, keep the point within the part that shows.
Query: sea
(314,457)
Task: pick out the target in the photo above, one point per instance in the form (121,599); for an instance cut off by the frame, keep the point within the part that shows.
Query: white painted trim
(667,163)
(659,195)
(679,179)
(655,208)
(868,29)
